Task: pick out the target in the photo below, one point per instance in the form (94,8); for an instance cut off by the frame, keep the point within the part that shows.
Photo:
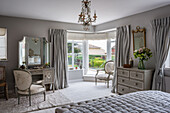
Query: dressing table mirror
(139,38)
(33,52)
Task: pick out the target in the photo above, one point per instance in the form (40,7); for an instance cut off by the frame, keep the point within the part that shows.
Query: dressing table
(34,55)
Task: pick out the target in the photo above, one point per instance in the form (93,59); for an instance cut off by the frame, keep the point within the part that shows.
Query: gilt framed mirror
(139,38)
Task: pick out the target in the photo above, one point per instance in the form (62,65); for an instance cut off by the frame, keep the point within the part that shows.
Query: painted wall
(143,20)
(19,27)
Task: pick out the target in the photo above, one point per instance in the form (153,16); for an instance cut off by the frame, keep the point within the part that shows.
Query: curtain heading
(91,36)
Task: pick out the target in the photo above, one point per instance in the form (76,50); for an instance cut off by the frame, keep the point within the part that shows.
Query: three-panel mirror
(33,51)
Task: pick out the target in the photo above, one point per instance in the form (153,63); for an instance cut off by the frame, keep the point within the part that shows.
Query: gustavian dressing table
(34,54)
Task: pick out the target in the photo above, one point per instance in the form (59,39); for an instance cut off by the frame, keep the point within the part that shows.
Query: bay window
(75,53)
(90,51)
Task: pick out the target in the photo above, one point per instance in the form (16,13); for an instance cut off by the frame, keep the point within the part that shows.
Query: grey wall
(142,20)
(19,27)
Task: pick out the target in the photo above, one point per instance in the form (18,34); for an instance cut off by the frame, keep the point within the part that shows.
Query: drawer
(36,72)
(136,75)
(122,72)
(132,90)
(124,81)
(136,84)
(123,89)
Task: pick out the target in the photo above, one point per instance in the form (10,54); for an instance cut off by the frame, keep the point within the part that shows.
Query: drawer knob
(136,84)
(123,80)
(136,75)
(123,89)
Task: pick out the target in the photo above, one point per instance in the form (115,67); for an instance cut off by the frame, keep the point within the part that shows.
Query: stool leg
(44,96)
(95,81)
(53,88)
(107,83)
(18,99)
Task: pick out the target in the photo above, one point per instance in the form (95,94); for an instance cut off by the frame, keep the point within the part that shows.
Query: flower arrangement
(47,64)
(142,54)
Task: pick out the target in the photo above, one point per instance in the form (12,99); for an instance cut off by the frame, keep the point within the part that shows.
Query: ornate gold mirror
(139,38)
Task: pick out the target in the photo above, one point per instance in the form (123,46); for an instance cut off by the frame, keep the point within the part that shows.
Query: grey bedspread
(137,102)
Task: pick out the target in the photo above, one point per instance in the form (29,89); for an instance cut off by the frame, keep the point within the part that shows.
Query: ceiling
(68,10)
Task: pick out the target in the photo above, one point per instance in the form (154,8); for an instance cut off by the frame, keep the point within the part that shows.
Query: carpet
(38,103)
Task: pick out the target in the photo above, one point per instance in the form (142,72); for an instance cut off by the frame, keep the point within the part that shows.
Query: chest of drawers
(133,79)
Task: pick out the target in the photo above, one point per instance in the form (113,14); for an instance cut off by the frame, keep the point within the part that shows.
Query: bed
(137,102)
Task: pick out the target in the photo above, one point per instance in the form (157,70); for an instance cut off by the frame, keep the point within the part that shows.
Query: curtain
(58,56)
(123,41)
(160,31)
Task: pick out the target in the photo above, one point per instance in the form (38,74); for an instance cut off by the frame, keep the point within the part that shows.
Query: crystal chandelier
(85,15)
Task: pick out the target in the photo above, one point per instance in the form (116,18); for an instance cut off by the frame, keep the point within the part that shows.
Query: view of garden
(97,54)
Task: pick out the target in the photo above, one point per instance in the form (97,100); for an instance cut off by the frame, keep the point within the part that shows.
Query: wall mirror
(139,38)
(33,51)
(3,44)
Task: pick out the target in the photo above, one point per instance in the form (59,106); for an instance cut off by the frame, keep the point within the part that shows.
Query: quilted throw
(137,102)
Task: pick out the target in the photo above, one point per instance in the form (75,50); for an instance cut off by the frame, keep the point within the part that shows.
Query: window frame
(6,51)
(167,61)
(73,54)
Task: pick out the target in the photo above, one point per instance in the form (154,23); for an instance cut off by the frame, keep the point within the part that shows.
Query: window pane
(69,45)
(113,50)
(97,53)
(77,47)
(78,58)
(167,62)
(3,44)
(69,60)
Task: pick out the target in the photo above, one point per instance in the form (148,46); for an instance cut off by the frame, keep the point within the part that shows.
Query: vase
(141,64)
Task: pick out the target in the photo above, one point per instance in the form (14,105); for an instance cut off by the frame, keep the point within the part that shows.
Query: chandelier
(85,15)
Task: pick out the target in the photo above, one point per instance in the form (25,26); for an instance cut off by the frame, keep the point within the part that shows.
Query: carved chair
(23,81)
(108,75)
(3,82)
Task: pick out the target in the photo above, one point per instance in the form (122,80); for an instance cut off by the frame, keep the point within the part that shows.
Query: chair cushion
(34,89)
(104,76)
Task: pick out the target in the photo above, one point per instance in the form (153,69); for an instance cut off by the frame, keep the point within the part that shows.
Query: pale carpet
(81,91)
(38,103)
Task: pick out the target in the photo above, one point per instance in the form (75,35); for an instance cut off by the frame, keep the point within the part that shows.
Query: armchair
(23,81)
(108,75)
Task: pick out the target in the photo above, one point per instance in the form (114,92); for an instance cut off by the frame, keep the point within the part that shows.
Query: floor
(81,91)
(90,76)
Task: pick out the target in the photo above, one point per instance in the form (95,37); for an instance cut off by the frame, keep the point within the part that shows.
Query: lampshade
(2,31)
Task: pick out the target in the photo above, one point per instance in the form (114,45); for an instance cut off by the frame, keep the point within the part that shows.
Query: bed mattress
(137,102)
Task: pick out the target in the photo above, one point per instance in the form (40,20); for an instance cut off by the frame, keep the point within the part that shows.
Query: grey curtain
(160,31)
(123,41)
(58,56)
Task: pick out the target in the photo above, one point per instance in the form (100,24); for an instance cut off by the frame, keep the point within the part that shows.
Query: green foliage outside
(113,57)
(69,45)
(96,61)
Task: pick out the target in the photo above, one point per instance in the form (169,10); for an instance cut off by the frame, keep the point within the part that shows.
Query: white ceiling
(68,10)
